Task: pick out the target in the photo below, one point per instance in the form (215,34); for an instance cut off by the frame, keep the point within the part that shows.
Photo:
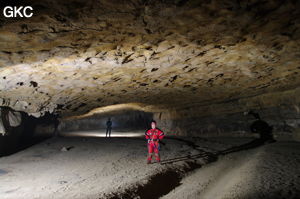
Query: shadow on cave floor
(209,156)
(168,180)
(24,143)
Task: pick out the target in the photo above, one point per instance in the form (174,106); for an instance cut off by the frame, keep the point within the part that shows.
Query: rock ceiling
(74,56)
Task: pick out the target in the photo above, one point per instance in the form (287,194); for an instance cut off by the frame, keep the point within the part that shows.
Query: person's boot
(157,158)
(149,158)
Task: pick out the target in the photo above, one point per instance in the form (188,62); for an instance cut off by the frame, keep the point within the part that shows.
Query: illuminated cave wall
(125,120)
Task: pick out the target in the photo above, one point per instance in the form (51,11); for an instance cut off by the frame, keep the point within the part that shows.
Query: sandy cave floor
(116,168)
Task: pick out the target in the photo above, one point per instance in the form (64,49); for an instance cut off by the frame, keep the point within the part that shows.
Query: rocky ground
(116,168)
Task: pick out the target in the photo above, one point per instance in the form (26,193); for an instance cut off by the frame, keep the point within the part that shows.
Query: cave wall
(20,133)
(124,120)
(280,109)
(10,139)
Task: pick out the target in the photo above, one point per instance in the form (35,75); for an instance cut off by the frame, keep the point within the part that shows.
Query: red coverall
(153,136)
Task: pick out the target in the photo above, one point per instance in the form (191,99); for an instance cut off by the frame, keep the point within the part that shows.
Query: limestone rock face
(18,130)
(122,120)
(2,129)
(180,59)
(14,118)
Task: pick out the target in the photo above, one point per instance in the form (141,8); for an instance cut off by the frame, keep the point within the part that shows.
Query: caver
(153,135)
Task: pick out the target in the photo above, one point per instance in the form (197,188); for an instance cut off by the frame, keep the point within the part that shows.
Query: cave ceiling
(73,56)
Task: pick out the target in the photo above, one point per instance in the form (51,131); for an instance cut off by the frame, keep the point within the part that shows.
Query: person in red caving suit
(153,135)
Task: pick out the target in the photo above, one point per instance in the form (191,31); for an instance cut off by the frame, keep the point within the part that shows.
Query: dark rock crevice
(26,134)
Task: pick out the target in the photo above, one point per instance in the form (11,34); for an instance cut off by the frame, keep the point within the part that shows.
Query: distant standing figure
(56,124)
(108,127)
(153,135)
(262,128)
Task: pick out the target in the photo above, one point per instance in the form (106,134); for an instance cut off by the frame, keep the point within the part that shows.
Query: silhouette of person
(262,128)
(108,127)
(56,124)
(54,119)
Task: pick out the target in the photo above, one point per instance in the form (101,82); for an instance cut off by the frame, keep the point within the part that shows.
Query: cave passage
(82,80)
